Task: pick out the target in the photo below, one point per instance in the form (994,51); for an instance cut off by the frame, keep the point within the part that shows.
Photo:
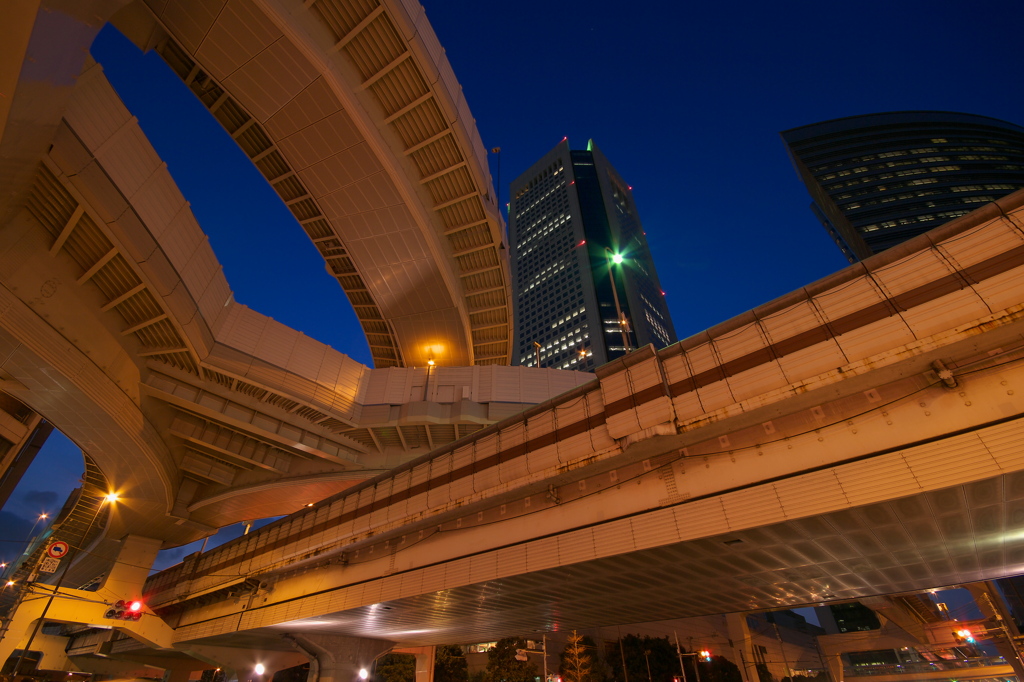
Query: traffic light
(705,655)
(125,610)
(964,635)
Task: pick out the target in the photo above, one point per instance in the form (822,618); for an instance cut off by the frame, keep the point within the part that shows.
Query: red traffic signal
(125,610)
(964,635)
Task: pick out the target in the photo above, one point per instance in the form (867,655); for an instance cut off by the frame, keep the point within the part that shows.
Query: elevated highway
(118,327)
(352,113)
(858,437)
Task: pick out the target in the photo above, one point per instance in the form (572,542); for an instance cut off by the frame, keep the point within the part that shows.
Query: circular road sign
(58,549)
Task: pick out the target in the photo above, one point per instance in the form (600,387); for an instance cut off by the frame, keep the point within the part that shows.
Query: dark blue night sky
(686,99)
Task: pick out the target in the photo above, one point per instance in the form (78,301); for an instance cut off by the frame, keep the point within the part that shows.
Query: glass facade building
(880,179)
(586,290)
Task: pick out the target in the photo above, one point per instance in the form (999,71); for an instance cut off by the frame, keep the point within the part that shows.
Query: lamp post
(426,382)
(41,517)
(616,259)
(110,498)
(679,653)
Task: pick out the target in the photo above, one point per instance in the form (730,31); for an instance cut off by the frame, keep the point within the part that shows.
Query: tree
(647,658)
(449,664)
(502,665)
(720,669)
(395,668)
(763,674)
(578,660)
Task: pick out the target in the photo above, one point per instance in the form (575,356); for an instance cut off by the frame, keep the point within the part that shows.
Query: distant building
(574,230)
(880,179)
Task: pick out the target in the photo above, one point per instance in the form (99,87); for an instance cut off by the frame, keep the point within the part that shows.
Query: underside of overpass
(669,488)
(858,437)
(118,327)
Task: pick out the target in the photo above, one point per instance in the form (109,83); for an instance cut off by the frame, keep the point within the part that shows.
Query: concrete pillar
(425,664)
(835,666)
(240,664)
(424,660)
(739,633)
(124,581)
(337,658)
(134,560)
(19,18)
(990,602)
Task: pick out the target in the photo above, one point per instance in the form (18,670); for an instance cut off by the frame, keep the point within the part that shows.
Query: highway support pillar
(739,634)
(834,661)
(242,664)
(424,660)
(66,605)
(337,658)
(1002,631)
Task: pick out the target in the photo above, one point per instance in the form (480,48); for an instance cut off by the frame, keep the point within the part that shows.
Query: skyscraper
(586,290)
(878,180)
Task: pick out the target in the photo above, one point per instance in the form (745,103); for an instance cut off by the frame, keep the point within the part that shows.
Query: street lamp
(31,533)
(616,259)
(109,498)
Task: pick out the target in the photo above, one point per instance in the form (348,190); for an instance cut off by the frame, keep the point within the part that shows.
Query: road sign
(49,565)
(58,549)
(521,655)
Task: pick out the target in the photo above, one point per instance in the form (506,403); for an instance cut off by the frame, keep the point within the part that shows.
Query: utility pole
(679,653)
(110,498)
(782,649)
(622,653)
(544,648)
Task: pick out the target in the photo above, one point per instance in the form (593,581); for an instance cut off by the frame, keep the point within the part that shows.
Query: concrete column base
(424,661)
(337,658)
(739,633)
(240,664)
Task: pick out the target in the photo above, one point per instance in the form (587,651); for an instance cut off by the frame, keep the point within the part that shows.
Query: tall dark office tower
(586,290)
(880,179)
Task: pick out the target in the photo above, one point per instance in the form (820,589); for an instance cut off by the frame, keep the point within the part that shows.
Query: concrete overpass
(352,113)
(857,437)
(118,327)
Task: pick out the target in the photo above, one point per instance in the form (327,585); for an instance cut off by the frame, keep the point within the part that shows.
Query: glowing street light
(260,669)
(363,673)
(31,533)
(109,498)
